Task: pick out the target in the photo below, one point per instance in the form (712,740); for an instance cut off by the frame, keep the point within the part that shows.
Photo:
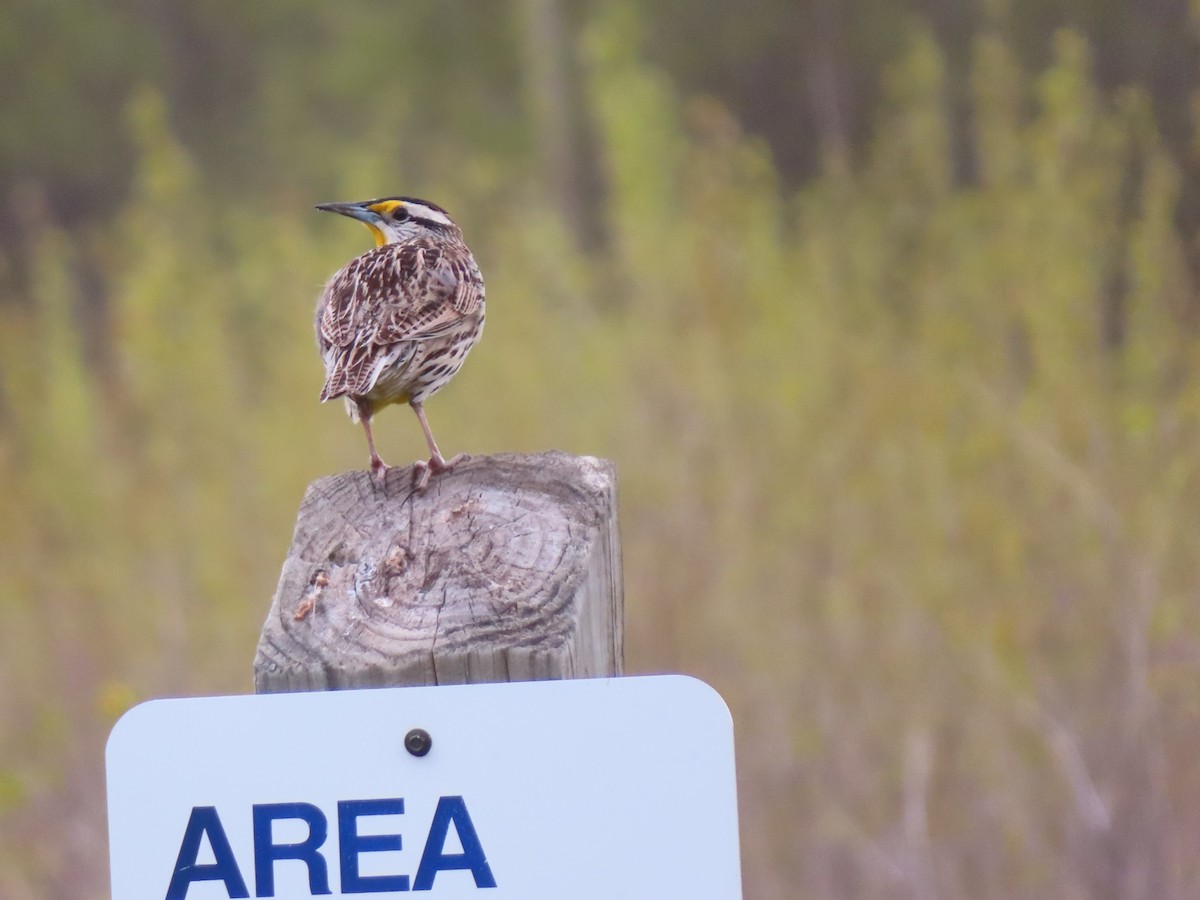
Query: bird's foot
(379,470)
(435,465)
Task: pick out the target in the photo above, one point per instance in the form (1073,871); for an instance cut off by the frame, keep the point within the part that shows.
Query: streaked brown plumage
(395,324)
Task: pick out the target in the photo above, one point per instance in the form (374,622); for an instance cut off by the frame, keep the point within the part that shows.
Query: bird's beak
(353,210)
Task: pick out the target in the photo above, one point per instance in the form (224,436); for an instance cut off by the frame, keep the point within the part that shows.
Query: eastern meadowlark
(395,324)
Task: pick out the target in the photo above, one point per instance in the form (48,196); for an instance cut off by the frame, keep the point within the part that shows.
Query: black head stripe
(432,206)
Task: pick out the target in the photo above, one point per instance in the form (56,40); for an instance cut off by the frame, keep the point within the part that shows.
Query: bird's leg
(378,466)
(437,463)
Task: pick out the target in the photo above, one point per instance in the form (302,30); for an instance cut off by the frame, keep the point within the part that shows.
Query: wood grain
(505,569)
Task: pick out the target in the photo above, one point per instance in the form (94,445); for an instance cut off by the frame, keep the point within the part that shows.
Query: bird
(395,324)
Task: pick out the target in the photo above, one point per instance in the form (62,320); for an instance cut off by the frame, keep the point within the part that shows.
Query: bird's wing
(391,295)
(445,288)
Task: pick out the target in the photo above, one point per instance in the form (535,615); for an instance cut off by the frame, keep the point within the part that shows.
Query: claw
(379,470)
(435,465)
(421,471)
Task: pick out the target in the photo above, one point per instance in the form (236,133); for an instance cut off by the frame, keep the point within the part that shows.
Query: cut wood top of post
(505,569)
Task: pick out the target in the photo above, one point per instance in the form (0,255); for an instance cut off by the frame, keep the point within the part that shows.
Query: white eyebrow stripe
(421,211)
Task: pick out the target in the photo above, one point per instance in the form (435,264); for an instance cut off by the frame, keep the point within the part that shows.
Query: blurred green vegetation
(909,460)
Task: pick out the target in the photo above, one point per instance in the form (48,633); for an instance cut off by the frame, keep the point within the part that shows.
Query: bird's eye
(399,214)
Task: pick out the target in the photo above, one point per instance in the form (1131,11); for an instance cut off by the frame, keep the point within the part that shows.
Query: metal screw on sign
(418,742)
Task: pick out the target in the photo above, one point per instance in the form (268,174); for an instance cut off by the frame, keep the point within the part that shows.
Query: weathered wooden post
(506,569)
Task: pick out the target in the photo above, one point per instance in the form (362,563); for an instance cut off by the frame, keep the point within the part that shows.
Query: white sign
(607,788)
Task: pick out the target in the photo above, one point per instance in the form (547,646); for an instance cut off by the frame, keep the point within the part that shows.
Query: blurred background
(887,311)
